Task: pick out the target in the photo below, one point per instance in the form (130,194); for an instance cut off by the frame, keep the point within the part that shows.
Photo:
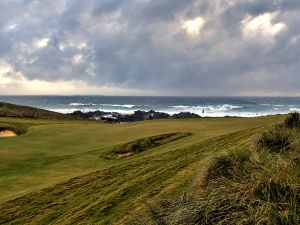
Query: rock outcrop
(114,117)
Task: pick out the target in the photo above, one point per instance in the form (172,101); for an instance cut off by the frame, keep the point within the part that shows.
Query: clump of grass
(277,139)
(275,191)
(293,120)
(230,166)
(277,197)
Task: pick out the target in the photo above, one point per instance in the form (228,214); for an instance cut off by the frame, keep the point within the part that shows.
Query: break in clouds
(173,47)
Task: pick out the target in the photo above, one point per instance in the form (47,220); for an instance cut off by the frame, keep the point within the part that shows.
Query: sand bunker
(7,133)
(125,154)
(144,144)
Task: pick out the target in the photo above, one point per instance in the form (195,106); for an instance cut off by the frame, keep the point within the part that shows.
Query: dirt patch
(7,133)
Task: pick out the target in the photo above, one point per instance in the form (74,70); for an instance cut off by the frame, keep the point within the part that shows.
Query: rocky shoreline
(114,117)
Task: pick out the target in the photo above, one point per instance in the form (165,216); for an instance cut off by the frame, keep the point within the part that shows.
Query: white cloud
(194,26)
(12,26)
(261,26)
(79,45)
(82,45)
(42,43)
(76,59)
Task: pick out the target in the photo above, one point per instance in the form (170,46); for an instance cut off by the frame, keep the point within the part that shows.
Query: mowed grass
(118,194)
(54,151)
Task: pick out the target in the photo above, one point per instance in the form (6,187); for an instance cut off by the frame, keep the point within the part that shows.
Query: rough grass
(276,139)
(282,137)
(254,195)
(293,120)
(227,166)
(244,186)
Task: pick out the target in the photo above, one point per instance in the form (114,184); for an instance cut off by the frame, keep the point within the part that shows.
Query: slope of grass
(258,184)
(52,151)
(19,111)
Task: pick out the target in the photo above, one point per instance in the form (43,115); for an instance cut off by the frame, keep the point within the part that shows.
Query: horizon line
(174,96)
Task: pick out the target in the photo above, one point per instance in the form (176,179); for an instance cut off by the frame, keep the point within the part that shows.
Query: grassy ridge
(18,111)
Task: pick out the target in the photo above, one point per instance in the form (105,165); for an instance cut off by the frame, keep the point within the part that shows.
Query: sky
(150,47)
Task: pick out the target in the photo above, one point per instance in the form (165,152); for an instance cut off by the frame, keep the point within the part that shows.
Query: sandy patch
(125,154)
(7,133)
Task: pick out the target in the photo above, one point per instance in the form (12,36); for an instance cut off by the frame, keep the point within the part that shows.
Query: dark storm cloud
(164,9)
(257,7)
(107,6)
(144,45)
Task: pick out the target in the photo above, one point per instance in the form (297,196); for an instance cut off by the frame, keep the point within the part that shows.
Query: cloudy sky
(150,47)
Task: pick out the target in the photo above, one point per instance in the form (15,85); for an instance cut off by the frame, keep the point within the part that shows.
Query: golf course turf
(58,172)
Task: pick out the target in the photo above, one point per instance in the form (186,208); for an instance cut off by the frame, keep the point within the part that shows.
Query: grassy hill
(59,172)
(19,111)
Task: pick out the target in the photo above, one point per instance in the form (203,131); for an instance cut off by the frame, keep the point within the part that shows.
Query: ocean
(203,106)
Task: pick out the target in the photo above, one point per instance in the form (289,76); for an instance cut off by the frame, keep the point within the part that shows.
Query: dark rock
(114,117)
(89,115)
(183,115)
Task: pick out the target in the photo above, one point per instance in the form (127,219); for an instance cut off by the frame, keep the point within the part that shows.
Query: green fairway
(52,151)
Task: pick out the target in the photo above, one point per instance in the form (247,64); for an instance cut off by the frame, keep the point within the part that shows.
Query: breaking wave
(105,105)
(118,105)
(225,107)
(295,109)
(81,104)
